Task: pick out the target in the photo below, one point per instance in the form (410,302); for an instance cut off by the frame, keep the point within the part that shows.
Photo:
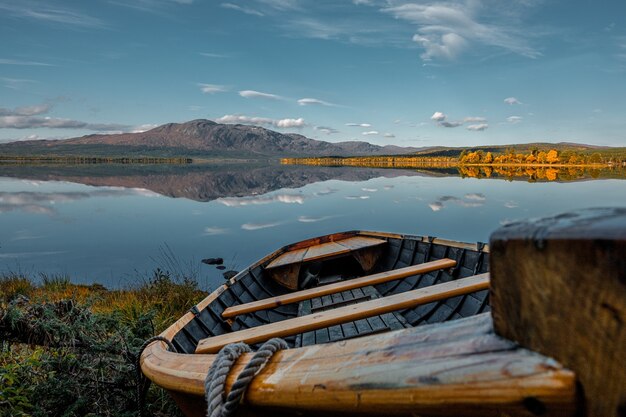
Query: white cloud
(211,231)
(30,122)
(475,196)
(309,101)
(212,88)
(26,110)
(471,119)
(358,124)
(447,29)
(389,135)
(514,119)
(369,190)
(438,116)
(143,128)
(436,206)
(50,14)
(307,219)
(242,9)
(370,133)
(258,94)
(212,55)
(253,201)
(512,100)
(262,121)
(258,226)
(326,130)
(7,61)
(450,124)
(478,127)
(511,204)
(16,83)
(357,197)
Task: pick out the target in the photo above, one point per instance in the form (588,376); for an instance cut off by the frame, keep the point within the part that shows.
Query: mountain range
(200,138)
(206,139)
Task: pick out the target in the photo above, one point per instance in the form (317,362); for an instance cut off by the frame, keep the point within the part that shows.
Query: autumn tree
(552,156)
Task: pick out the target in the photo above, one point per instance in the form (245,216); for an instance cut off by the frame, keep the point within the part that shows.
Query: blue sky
(410,73)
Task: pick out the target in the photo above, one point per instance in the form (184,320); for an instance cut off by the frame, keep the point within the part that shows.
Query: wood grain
(559,287)
(348,313)
(338,287)
(457,368)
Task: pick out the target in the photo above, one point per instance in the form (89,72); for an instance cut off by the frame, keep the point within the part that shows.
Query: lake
(114,224)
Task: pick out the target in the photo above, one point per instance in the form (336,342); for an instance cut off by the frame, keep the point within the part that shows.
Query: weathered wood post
(559,288)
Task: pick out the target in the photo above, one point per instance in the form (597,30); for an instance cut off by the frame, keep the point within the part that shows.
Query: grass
(68,349)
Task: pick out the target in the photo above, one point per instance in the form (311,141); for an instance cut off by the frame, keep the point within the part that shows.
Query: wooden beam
(338,287)
(559,288)
(345,314)
(456,368)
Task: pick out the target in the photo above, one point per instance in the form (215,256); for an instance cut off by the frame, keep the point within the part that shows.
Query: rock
(229,274)
(221,267)
(213,261)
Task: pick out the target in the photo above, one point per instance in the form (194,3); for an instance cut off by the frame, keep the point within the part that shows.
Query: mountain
(200,138)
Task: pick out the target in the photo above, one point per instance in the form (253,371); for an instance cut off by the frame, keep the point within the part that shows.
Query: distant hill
(199,138)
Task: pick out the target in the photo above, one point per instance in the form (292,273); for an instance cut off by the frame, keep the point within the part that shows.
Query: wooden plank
(345,314)
(324,250)
(360,242)
(559,288)
(292,257)
(338,287)
(457,368)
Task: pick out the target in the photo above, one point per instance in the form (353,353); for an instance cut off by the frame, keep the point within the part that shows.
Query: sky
(408,73)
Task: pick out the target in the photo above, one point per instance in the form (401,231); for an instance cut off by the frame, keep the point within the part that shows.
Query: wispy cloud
(8,61)
(307,219)
(212,55)
(212,88)
(370,133)
(26,110)
(259,94)
(514,119)
(471,200)
(263,121)
(445,30)
(442,120)
(389,135)
(31,122)
(357,197)
(258,226)
(212,231)
(479,127)
(326,130)
(253,201)
(43,12)
(511,101)
(359,124)
(16,83)
(242,9)
(310,101)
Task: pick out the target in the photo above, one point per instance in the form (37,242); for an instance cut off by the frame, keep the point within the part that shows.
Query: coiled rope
(143,383)
(215,382)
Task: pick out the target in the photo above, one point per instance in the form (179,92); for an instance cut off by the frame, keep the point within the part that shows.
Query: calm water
(104,224)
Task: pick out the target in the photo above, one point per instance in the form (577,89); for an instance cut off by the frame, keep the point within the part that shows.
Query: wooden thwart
(345,314)
(323,250)
(338,287)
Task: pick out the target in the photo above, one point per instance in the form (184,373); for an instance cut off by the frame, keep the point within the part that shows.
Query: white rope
(214,384)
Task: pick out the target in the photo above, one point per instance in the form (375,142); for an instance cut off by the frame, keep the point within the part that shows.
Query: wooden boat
(377,323)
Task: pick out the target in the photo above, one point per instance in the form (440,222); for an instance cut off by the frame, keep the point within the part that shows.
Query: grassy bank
(69,350)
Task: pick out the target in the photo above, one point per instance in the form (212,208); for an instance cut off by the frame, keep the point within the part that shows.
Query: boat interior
(337,260)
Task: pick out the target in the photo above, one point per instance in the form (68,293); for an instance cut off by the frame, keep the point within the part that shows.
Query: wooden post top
(607,223)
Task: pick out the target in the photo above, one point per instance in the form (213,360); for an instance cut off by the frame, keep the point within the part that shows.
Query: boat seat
(338,287)
(348,313)
(285,268)
(349,330)
(325,250)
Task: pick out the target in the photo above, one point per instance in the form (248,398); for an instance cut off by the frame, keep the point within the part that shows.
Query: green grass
(69,349)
